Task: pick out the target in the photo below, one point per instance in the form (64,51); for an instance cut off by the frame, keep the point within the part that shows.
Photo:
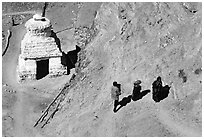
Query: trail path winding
(176,126)
(18,13)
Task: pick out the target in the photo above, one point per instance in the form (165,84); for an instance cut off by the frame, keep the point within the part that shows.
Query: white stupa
(40,54)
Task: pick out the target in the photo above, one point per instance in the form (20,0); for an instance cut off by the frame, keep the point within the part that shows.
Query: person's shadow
(127,99)
(163,94)
(141,95)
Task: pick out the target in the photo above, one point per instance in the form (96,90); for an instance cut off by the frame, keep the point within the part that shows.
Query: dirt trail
(19,115)
(18,13)
(176,126)
(10,59)
(165,118)
(9,76)
(108,127)
(22,107)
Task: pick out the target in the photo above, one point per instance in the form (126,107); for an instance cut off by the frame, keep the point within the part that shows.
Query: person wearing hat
(136,90)
(115,92)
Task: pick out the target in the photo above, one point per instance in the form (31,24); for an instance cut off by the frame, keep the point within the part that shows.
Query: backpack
(119,88)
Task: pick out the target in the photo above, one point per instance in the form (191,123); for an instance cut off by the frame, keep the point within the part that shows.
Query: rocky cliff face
(137,41)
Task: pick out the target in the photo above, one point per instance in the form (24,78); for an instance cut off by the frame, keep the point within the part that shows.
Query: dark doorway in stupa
(42,68)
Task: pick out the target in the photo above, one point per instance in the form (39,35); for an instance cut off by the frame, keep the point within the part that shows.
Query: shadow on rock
(141,95)
(163,94)
(69,59)
(124,102)
(127,100)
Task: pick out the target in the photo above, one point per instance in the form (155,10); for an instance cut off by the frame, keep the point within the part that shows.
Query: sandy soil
(87,107)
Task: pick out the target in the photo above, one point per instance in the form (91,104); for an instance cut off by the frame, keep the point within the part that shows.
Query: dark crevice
(190,7)
(198,71)
(182,75)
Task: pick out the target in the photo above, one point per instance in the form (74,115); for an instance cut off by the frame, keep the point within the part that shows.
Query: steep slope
(137,41)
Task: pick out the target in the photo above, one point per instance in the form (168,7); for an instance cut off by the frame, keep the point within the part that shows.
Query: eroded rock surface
(138,41)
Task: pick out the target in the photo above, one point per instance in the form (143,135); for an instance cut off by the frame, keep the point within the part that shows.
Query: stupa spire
(44,8)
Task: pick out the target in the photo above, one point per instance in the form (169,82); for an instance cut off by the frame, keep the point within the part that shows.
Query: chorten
(40,52)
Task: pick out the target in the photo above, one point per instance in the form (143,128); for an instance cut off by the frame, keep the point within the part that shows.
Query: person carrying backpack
(115,93)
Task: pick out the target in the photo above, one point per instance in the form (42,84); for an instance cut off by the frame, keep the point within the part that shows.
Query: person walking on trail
(136,90)
(156,89)
(115,93)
